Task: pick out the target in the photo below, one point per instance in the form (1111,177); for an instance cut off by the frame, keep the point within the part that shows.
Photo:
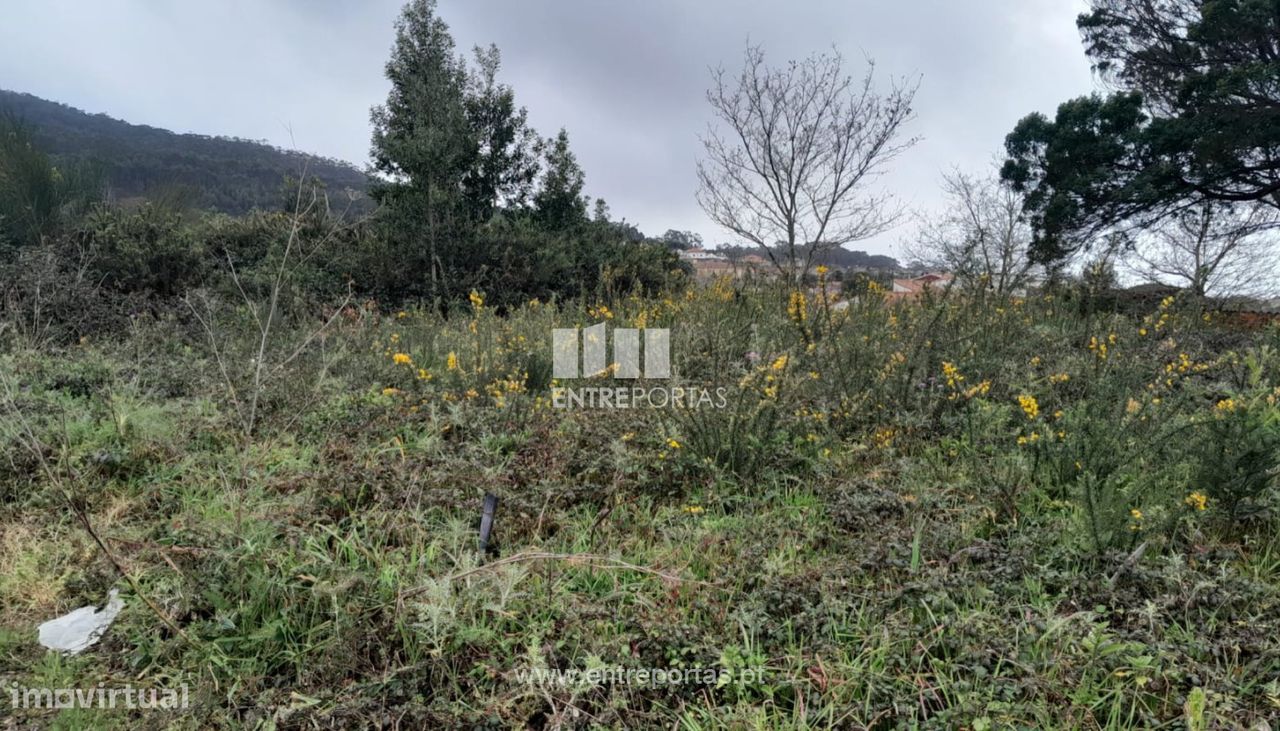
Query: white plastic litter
(76,630)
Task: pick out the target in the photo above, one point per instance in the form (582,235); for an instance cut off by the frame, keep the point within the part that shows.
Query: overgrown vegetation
(972,512)
(1010,502)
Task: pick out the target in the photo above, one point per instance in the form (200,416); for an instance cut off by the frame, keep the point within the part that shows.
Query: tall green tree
(559,203)
(1194,117)
(450,149)
(505,162)
(423,148)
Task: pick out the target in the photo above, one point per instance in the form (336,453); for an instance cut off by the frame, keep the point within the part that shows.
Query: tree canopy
(1193,116)
(471,196)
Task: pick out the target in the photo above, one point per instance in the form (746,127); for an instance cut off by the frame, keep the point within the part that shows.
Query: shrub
(1238,458)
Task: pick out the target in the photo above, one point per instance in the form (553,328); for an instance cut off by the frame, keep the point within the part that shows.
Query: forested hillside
(226,174)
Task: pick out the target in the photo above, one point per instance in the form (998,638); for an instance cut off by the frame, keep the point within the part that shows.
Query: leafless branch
(981,236)
(790,164)
(1213,249)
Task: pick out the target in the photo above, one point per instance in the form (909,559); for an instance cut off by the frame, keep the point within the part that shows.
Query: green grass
(872,538)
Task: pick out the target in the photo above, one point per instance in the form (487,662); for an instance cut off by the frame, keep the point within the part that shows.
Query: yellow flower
(951,373)
(402,359)
(798,307)
(1029,405)
(673,444)
(884,437)
(1059,377)
(390,391)
(424,374)
(1132,407)
(1099,347)
(401,315)
(822,270)
(1226,405)
(1135,513)
(694,509)
(451,362)
(979,390)
(779,364)
(477,300)
(1197,500)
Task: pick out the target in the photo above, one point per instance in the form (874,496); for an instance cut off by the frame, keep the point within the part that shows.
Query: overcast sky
(625,78)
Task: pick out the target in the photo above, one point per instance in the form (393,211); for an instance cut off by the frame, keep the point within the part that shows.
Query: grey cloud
(625,78)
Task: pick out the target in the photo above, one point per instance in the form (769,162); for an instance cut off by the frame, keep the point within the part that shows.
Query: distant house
(711,264)
(707,264)
(914,287)
(1248,312)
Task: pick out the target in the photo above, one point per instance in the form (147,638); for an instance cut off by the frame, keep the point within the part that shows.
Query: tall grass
(965,511)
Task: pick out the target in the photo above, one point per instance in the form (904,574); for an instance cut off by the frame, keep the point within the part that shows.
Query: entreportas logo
(592,345)
(626,352)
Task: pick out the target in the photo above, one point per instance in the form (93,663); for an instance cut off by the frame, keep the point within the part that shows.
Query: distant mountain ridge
(219,173)
(836,257)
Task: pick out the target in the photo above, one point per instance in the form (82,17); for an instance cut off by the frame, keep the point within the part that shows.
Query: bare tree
(269,363)
(796,149)
(1213,248)
(982,236)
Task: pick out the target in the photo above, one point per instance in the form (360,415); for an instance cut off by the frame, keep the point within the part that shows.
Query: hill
(838,257)
(221,173)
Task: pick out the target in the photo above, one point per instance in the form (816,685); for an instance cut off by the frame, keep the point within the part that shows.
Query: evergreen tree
(505,163)
(559,203)
(423,148)
(1192,121)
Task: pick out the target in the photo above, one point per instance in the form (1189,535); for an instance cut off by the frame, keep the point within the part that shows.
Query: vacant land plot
(964,512)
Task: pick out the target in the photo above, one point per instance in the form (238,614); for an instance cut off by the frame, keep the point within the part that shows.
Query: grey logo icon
(626,352)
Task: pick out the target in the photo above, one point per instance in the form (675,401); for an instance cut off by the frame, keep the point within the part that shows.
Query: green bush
(1238,457)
